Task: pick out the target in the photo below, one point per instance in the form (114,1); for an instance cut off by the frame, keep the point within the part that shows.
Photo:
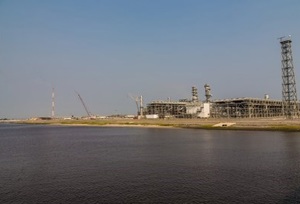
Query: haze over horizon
(158,49)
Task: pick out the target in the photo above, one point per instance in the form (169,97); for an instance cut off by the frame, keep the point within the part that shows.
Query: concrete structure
(152,116)
(205,111)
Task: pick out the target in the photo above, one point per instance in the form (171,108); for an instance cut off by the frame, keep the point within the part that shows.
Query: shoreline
(264,124)
(106,125)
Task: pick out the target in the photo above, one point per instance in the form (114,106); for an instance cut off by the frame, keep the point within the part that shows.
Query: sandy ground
(279,124)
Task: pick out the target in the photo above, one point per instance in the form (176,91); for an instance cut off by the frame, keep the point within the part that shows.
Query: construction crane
(138,102)
(136,99)
(85,107)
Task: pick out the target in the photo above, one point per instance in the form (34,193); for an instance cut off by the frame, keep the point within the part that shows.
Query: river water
(58,164)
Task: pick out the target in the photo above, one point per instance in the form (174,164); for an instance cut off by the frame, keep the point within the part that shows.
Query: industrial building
(223,108)
(183,108)
(246,107)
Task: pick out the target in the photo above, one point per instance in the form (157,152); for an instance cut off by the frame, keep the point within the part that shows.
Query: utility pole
(53,104)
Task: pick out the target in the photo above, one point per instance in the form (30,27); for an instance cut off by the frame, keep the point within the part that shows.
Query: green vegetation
(283,125)
(287,128)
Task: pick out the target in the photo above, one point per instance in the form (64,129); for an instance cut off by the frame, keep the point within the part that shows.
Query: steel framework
(167,109)
(246,108)
(289,92)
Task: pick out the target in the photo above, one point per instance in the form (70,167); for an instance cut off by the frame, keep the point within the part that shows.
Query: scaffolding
(184,108)
(247,108)
(167,109)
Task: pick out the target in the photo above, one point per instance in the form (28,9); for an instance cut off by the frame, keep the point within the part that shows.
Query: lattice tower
(53,104)
(289,93)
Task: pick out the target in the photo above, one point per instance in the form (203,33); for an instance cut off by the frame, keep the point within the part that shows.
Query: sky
(106,49)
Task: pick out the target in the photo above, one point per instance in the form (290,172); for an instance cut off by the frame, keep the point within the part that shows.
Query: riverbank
(270,124)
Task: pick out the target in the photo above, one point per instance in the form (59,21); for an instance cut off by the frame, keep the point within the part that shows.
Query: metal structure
(53,104)
(184,108)
(195,94)
(289,92)
(85,107)
(139,104)
(207,92)
(166,109)
(238,107)
(247,108)
(262,108)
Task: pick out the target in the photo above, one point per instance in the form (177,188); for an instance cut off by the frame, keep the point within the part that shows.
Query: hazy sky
(105,49)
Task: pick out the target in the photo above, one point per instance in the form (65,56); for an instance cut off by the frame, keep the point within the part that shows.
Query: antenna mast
(53,104)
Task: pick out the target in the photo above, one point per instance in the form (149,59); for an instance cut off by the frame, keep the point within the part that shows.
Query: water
(43,164)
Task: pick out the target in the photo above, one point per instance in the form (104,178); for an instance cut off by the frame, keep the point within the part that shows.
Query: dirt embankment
(273,124)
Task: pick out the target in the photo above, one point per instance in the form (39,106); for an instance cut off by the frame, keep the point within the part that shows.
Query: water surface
(49,164)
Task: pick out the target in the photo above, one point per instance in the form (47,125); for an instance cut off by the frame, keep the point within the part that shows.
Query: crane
(136,99)
(138,102)
(85,107)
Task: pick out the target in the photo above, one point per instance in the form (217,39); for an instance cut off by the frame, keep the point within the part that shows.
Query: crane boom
(136,99)
(85,107)
(138,102)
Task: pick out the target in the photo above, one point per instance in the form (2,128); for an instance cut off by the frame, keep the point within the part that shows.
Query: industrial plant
(245,107)
(184,108)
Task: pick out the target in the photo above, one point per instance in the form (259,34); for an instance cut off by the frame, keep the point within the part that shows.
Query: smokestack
(195,94)
(207,92)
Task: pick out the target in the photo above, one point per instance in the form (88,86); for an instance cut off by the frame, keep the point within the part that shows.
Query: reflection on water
(42,164)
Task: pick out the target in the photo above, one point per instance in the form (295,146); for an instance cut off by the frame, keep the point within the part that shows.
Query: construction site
(184,108)
(243,107)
